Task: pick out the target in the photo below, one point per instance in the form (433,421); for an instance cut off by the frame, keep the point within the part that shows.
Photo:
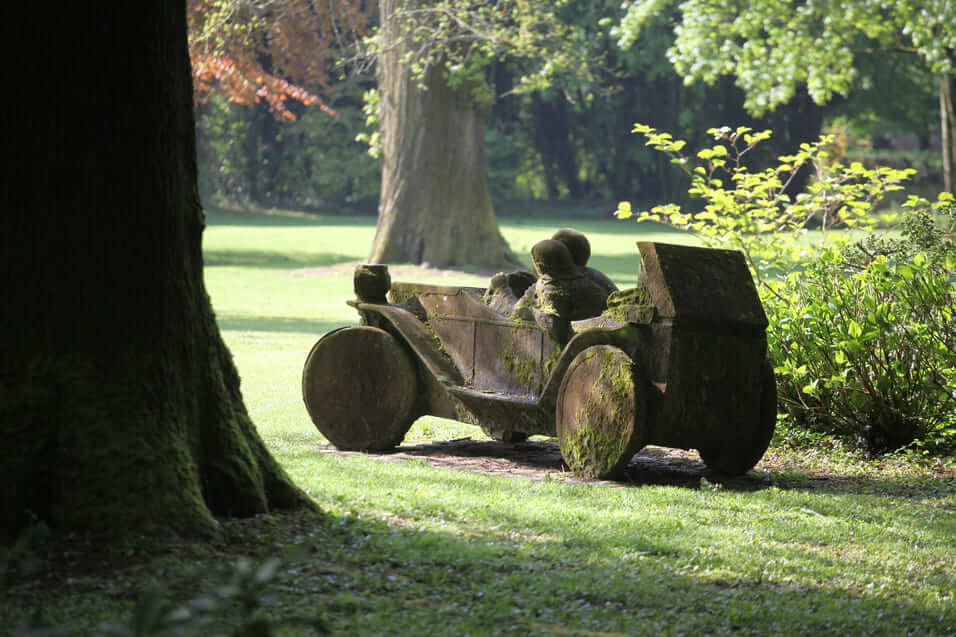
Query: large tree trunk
(435,206)
(119,402)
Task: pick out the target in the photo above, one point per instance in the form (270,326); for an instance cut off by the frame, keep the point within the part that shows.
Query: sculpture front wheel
(601,412)
(360,387)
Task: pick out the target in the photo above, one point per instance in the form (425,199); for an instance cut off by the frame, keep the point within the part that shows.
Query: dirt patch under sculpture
(541,460)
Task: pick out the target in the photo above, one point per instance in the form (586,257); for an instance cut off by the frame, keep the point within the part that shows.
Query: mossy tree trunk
(120,407)
(435,206)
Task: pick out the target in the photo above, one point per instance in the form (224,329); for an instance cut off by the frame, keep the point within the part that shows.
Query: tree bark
(120,407)
(947,116)
(553,141)
(434,205)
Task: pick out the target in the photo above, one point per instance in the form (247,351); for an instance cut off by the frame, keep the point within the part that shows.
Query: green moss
(402,296)
(590,451)
(438,343)
(593,449)
(620,378)
(117,462)
(523,370)
(523,323)
(142,445)
(551,361)
(630,305)
(633,296)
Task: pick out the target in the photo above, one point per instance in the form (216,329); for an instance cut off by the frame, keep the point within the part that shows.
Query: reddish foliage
(270,50)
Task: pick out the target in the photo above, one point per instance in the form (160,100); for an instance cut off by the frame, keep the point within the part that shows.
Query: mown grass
(810,542)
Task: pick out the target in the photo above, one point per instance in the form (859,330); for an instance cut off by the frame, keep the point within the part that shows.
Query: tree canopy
(270,50)
(464,37)
(773,46)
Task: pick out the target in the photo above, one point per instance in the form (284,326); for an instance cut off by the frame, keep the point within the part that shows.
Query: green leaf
(623,210)
(854,329)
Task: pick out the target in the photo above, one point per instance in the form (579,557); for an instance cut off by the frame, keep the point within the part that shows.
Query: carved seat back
(491,351)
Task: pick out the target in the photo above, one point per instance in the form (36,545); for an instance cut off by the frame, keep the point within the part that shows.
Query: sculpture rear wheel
(737,455)
(360,387)
(600,416)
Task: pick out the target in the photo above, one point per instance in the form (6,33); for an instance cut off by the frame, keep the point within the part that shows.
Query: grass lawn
(808,543)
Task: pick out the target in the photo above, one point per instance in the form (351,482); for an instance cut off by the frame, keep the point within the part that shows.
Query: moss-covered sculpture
(680,361)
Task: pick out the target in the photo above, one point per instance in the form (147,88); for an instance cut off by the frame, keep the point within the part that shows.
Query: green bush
(865,340)
(862,335)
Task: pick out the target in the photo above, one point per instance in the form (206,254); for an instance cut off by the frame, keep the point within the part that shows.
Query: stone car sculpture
(679,361)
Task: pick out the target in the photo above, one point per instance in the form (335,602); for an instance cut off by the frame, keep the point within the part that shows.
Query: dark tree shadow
(541,460)
(275,324)
(217,217)
(659,466)
(272,259)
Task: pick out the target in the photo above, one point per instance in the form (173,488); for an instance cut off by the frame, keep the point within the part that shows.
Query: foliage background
(564,141)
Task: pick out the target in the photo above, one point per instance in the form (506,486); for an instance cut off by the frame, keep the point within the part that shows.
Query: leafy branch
(462,37)
(753,211)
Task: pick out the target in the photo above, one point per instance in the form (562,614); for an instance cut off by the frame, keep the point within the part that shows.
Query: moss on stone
(402,295)
(522,369)
(589,451)
(596,445)
(551,361)
(627,305)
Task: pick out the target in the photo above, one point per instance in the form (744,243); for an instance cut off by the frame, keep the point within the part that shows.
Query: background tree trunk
(434,206)
(119,402)
(552,136)
(947,116)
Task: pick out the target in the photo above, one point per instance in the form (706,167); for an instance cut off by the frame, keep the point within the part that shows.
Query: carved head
(553,258)
(577,243)
(371,282)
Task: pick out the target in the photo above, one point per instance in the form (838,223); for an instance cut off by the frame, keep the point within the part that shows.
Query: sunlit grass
(809,543)
(778,557)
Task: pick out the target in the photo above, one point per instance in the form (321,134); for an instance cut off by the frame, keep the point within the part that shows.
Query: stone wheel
(739,454)
(601,410)
(360,387)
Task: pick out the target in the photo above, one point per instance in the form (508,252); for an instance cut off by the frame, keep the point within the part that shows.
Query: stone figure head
(553,258)
(577,243)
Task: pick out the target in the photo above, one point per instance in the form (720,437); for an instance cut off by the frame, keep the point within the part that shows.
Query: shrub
(862,334)
(753,211)
(865,340)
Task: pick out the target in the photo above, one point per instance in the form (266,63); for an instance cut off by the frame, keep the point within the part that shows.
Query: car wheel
(601,412)
(360,386)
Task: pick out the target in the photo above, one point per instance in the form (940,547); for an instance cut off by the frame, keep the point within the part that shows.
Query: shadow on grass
(585,579)
(217,217)
(275,324)
(272,259)
(368,577)
(941,489)
(657,466)
(541,460)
